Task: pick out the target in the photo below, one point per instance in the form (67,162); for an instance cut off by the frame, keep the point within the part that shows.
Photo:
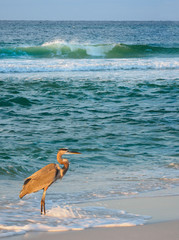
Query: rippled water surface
(109,90)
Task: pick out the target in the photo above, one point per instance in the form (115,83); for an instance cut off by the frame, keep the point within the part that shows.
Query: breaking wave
(65,218)
(69,65)
(62,49)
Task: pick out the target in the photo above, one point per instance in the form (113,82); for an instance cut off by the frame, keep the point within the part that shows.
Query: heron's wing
(40,179)
(44,172)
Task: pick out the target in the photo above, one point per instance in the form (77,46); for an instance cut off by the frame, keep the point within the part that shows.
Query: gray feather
(40,179)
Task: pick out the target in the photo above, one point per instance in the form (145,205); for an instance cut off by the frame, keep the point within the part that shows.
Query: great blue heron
(43,178)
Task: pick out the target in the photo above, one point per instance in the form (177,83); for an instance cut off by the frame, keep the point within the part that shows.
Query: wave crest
(62,49)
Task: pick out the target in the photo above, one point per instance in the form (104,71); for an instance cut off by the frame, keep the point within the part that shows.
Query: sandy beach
(163,222)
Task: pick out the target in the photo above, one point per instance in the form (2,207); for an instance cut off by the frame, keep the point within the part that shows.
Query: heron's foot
(43,207)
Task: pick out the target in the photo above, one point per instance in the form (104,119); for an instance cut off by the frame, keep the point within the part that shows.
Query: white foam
(54,43)
(68,65)
(68,218)
(91,50)
(174,165)
(170,179)
(66,212)
(98,51)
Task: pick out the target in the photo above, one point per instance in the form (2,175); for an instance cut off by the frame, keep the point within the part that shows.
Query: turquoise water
(109,90)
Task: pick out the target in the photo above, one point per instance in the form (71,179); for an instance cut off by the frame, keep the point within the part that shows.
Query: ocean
(109,90)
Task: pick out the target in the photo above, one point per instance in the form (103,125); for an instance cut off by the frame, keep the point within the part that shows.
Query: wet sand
(156,231)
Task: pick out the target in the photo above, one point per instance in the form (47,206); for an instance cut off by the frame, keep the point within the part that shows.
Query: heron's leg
(43,200)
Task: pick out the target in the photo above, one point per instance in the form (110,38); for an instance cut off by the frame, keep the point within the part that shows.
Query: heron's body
(44,177)
(41,179)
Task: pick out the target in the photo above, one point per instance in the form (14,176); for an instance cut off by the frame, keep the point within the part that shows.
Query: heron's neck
(63,161)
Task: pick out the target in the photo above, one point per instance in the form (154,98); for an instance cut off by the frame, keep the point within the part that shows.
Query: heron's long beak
(71,152)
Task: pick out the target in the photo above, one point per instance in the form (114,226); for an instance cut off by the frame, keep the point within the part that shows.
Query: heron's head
(66,151)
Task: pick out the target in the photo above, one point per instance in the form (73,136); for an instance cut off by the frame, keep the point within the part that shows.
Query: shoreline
(161,206)
(153,231)
(163,224)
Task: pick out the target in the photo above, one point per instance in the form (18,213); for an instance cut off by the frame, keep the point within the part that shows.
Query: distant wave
(69,65)
(61,49)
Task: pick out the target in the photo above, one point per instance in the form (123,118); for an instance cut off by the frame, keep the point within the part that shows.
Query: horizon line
(52,20)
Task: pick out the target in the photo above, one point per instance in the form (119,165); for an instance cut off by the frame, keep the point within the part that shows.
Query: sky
(89,10)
